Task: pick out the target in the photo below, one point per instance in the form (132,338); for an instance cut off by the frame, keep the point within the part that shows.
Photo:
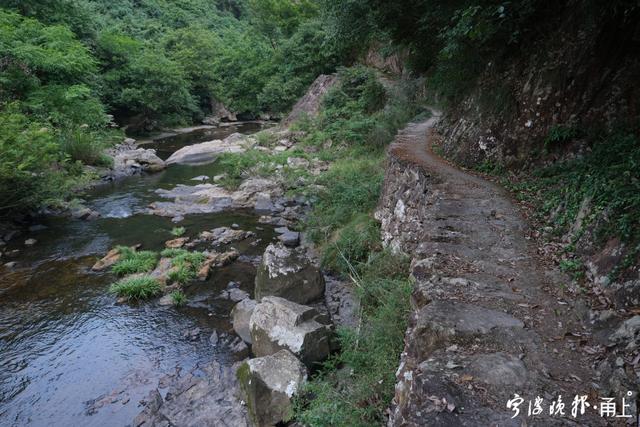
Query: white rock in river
(207,152)
(145,159)
(209,198)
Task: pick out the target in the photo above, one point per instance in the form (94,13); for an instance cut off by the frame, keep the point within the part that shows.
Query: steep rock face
(393,63)
(578,73)
(310,103)
(219,113)
(582,72)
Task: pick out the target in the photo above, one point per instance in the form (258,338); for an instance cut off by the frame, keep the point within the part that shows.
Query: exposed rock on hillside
(582,72)
(219,113)
(310,103)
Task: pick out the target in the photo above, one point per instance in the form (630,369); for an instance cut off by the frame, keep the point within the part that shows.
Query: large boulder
(240,317)
(288,273)
(268,384)
(207,152)
(277,324)
(127,162)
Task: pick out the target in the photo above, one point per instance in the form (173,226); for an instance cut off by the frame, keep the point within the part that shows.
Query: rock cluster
(197,400)
(259,194)
(129,159)
(286,336)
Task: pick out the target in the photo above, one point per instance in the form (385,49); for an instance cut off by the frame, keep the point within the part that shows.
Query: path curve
(487,321)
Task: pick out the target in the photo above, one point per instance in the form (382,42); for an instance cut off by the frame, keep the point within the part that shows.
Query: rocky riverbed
(262,294)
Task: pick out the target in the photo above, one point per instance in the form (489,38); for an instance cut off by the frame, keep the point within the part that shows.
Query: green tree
(155,87)
(28,150)
(195,49)
(280,18)
(33,53)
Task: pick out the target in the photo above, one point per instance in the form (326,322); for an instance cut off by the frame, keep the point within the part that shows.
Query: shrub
(136,288)
(28,153)
(559,134)
(83,146)
(607,177)
(132,262)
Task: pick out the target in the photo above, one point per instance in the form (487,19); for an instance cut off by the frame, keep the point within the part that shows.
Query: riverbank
(283,181)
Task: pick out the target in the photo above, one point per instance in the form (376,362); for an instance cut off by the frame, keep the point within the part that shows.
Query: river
(70,355)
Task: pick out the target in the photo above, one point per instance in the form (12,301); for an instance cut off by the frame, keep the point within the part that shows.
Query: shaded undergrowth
(600,189)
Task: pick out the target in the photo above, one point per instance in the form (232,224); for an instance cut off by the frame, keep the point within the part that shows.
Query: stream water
(71,356)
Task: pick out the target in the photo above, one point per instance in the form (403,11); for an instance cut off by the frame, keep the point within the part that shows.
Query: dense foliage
(68,68)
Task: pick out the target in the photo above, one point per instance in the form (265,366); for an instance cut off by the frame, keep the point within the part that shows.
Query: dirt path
(487,323)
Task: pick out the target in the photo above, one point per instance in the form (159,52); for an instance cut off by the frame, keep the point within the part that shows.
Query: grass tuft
(187,264)
(132,262)
(178,298)
(178,231)
(136,288)
(352,244)
(355,387)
